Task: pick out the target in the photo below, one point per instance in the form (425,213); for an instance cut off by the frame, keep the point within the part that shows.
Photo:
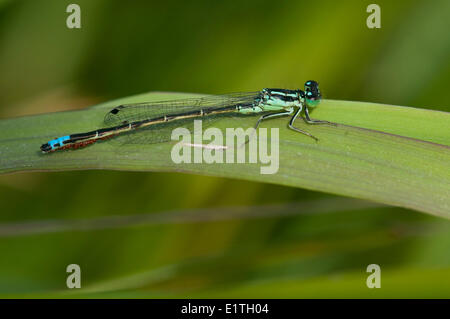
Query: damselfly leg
(308,119)
(266,117)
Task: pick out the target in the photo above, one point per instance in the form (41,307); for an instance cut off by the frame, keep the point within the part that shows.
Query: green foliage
(155,234)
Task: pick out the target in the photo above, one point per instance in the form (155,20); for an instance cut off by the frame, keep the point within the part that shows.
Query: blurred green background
(196,236)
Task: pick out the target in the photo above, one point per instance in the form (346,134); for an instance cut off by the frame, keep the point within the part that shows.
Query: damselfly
(269,103)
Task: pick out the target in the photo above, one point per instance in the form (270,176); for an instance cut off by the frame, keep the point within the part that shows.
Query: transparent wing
(128,113)
(162,132)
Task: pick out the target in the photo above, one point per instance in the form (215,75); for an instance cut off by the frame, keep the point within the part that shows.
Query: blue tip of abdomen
(58,142)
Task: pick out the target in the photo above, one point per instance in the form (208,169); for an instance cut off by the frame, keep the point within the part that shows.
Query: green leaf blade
(389,154)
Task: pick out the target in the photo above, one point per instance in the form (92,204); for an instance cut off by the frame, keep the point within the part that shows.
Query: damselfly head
(312,93)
